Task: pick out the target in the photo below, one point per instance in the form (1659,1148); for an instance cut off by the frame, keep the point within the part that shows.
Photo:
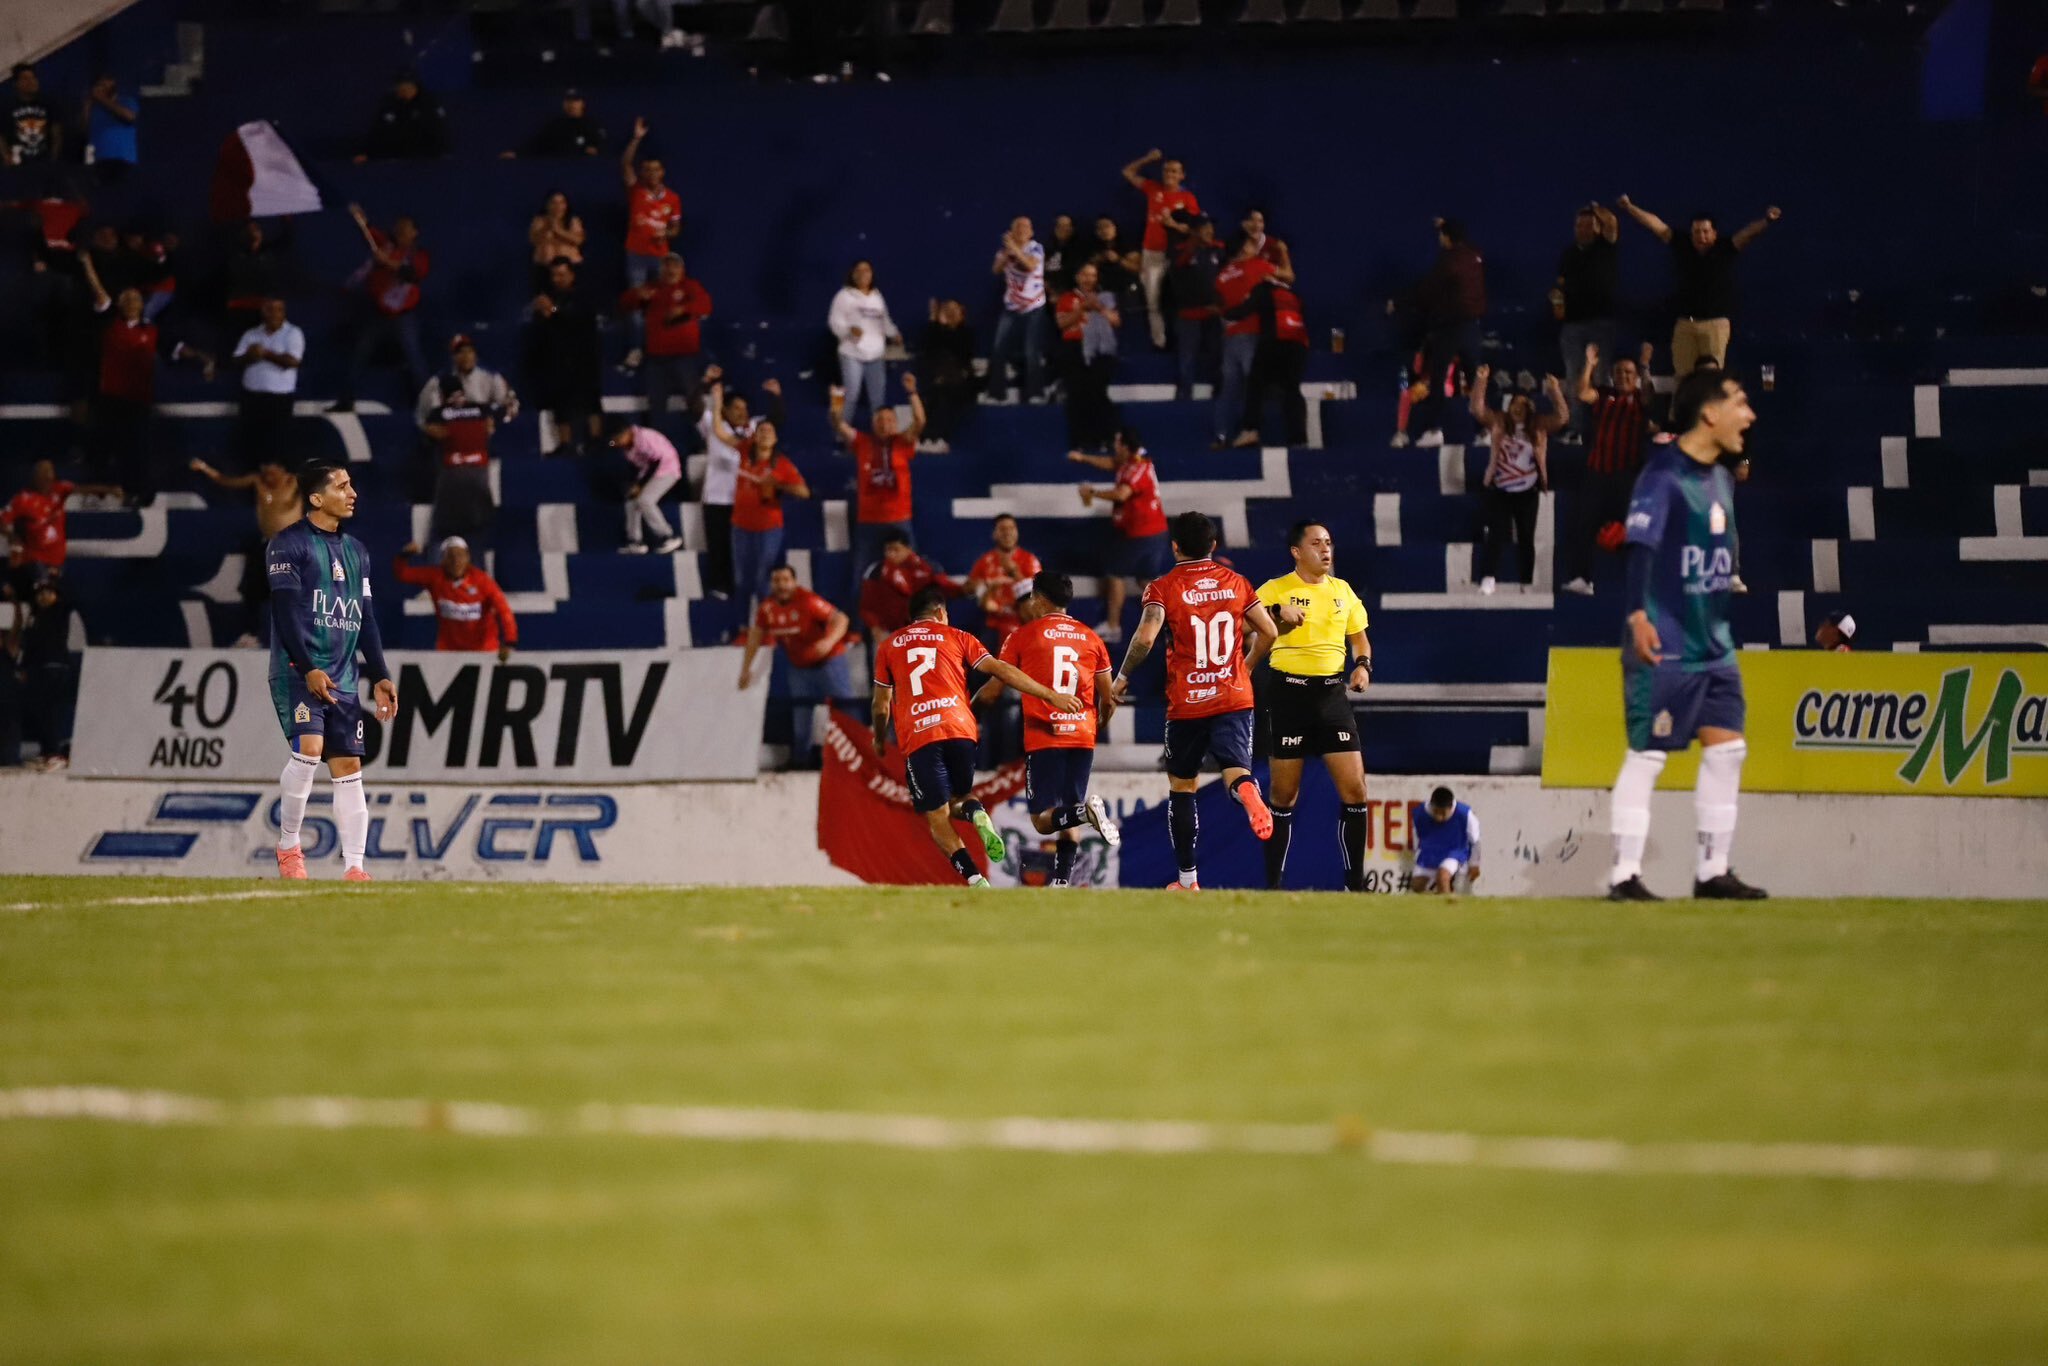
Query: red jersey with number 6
(926,664)
(1205,606)
(1064,655)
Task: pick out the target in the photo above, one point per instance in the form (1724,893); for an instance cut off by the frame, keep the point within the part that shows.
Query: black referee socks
(1353,830)
(1276,847)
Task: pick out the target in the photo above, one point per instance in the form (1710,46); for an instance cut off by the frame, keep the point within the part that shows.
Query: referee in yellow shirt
(1321,619)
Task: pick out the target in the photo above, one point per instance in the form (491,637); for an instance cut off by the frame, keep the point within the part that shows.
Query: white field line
(183,899)
(1583,1156)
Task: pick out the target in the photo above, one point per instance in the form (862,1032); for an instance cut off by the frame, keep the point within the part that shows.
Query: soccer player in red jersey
(1059,748)
(921,683)
(1203,607)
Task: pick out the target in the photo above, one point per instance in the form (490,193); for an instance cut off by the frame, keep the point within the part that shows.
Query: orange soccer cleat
(1177,887)
(1256,811)
(355,875)
(291,864)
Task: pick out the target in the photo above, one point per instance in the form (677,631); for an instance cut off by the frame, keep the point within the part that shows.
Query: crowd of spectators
(1224,304)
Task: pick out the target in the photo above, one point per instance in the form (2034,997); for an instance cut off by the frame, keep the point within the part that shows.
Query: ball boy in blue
(1446,842)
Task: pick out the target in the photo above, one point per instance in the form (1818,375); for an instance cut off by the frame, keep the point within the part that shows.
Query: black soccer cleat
(1632,890)
(1728,887)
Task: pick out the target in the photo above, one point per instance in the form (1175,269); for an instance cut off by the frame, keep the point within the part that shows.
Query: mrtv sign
(630,716)
(1924,725)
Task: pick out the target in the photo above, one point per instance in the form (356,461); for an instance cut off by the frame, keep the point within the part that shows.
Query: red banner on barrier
(865,821)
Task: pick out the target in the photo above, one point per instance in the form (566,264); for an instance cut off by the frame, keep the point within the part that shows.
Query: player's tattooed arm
(878,718)
(1149,622)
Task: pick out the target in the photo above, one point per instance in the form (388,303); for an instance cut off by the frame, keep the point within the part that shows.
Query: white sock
(1629,811)
(1714,802)
(296,782)
(351,819)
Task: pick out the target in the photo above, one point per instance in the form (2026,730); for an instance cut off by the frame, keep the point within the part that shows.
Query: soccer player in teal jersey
(1679,677)
(321,617)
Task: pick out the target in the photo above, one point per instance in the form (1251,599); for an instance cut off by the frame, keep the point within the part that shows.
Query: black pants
(262,425)
(1278,377)
(946,404)
(1602,498)
(1091,417)
(48,697)
(1444,350)
(718,548)
(1504,514)
(463,506)
(121,447)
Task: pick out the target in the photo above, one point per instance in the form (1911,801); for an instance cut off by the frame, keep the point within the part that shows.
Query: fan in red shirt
(996,576)
(882,480)
(1138,547)
(896,578)
(1168,209)
(672,310)
(1059,747)
(469,606)
(1205,610)
(127,386)
(654,212)
(34,519)
(921,684)
(766,476)
(814,636)
(1236,284)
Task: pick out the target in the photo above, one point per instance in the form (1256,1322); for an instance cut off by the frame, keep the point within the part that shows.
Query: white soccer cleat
(1098,816)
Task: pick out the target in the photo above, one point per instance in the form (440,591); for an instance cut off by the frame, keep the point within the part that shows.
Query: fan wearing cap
(469,607)
(457,410)
(1836,633)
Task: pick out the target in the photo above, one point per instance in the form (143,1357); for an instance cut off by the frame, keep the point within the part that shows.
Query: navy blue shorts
(1667,707)
(1228,738)
(940,772)
(339,723)
(1057,777)
(1139,557)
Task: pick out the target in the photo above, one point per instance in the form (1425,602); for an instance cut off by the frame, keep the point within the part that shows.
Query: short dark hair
(894,537)
(1298,533)
(1695,392)
(1193,534)
(783,567)
(1443,796)
(926,601)
(1004,517)
(315,478)
(1129,436)
(1702,216)
(1055,587)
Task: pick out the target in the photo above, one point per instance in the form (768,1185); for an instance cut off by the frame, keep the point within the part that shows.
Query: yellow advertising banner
(1926,725)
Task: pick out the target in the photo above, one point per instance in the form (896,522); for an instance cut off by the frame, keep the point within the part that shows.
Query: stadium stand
(1898,473)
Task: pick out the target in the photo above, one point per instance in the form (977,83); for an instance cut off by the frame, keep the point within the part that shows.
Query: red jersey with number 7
(1205,606)
(925,665)
(1064,655)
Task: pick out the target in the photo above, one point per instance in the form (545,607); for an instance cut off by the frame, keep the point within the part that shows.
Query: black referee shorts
(1309,715)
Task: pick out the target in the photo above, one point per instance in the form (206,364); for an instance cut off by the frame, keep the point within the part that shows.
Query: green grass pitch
(1847,1022)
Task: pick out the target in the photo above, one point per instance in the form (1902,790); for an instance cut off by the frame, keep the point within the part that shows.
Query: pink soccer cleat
(291,864)
(1256,812)
(1176,887)
(356,875)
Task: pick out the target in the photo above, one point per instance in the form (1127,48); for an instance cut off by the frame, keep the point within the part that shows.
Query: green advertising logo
(1945,730)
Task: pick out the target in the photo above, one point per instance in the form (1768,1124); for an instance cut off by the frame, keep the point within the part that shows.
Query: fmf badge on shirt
(1717,519)
(1661,727)
(302,714)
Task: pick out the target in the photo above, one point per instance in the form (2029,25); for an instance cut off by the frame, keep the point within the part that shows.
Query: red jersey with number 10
(925,665)
(1205,606)
(1064,655)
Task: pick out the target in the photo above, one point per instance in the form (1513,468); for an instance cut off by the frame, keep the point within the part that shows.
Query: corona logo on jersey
(1925,725)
